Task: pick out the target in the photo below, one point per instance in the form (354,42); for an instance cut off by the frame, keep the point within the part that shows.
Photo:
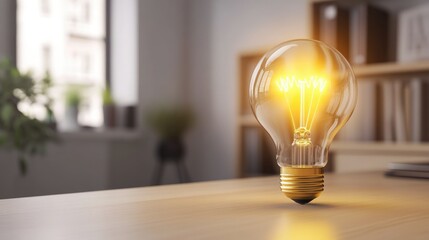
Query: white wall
(161,51)
(219,31)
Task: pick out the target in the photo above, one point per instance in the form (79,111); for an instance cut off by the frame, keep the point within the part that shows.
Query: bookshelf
(340,151)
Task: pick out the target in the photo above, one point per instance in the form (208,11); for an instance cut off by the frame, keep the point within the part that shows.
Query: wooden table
(354,206)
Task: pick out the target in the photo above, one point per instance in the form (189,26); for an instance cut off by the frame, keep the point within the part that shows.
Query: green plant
(107,97)
(18,131)
(170,122)
(73,95)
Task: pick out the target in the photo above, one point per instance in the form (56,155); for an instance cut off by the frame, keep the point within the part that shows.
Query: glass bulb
(302,92)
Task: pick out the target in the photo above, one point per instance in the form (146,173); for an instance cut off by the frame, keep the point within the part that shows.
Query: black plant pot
(171,149)
(109,115)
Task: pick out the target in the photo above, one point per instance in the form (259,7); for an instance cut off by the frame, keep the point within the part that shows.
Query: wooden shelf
(391,69)
(384,148)
(359,147)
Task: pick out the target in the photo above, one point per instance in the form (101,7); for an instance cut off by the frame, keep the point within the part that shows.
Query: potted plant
(18,130)
(73,99)
(109,109)
(170,123)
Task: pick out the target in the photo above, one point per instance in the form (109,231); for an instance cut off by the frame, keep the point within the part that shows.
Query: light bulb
(302,92)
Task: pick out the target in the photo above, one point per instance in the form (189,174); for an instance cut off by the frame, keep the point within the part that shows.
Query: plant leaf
(6,114)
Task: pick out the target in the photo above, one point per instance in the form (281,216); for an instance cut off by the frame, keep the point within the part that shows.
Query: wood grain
(355,206)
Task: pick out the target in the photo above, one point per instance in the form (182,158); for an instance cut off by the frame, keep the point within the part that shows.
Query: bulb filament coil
(309,91)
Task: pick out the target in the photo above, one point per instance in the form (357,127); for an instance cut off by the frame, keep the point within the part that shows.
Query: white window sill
(102,134)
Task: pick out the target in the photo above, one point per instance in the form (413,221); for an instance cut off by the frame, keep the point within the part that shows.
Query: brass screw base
(301,184)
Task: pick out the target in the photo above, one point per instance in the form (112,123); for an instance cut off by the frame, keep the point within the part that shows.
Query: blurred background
(104,94)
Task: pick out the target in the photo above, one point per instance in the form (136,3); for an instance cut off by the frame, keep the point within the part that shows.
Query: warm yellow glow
(303,96)
(292,228)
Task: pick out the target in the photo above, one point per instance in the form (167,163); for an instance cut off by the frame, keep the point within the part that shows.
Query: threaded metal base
(301,184)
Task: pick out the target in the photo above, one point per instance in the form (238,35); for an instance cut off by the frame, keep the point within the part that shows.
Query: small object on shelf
(73,99)
(125,117)
(369,34)
(302,93)
(130,117)
(413,32)
(109,109)
(410,170)
(109,116)
(331,25)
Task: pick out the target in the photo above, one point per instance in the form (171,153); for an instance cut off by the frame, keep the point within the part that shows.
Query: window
(46,60)
(69,42)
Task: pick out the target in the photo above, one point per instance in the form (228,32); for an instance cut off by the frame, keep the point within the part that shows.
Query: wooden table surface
(353,206)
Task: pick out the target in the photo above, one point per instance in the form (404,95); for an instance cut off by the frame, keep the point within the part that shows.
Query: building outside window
(68,39)
(44,6)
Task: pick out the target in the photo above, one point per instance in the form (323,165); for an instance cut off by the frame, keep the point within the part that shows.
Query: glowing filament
(288,83)
(308,91)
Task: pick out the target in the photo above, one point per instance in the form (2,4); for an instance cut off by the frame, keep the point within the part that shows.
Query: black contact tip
(303,201)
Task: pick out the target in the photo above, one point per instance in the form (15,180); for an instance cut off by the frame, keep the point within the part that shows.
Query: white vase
(70,118)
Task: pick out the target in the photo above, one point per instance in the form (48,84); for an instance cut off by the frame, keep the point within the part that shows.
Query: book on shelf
(411,170)
(404,116)
(413,45)
(362,126)
(409,174)
(331,25)
(421,112)
(387,111)
(413,32)
(401,125)
(419,166)
(416,99)
(415,109)
(368,34)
